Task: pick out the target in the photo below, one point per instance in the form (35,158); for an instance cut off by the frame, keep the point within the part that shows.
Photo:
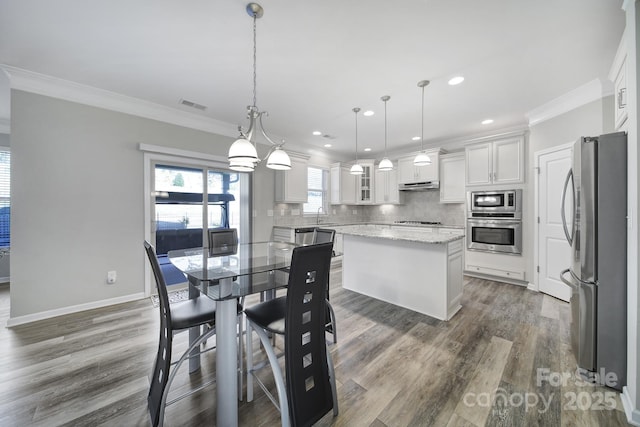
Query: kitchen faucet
(318,216)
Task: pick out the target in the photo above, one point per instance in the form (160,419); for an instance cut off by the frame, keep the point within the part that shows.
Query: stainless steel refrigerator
(594,214)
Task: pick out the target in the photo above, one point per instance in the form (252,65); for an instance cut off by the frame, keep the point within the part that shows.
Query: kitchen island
(416,269)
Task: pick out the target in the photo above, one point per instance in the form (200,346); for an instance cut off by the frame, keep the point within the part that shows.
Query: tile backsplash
(418,206)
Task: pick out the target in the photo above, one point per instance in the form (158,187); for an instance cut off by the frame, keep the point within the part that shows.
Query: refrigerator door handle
(562,205)
(565,281)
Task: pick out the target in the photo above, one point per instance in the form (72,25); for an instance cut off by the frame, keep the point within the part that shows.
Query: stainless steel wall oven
(494,223)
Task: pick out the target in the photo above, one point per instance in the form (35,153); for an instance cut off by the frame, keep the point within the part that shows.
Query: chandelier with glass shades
(243,156)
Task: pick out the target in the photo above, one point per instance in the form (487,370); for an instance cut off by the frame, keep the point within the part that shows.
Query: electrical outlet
(111,277)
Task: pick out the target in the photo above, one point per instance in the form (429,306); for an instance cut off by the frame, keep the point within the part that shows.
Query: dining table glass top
(233,272)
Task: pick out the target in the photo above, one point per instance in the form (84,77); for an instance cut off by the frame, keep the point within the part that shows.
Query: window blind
(5,197)
(316,190)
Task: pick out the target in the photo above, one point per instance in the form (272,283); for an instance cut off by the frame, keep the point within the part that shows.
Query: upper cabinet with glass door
(365,183)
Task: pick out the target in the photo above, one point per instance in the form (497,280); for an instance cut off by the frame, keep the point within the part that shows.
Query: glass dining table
(225,276)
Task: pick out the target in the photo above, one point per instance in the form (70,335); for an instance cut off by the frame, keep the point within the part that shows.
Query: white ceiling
(318,60)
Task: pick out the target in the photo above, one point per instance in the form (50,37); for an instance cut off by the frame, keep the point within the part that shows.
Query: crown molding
(54,87)
(5,125)
(578,97)
(626,4)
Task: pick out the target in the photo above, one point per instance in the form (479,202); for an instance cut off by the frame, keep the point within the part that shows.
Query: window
(5,200)
(317,180)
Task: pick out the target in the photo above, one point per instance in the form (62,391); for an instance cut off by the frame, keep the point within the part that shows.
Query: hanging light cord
(255,74)
(385,129)
(356,136)
(422,134)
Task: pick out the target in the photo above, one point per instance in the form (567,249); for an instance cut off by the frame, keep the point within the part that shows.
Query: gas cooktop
(419,222)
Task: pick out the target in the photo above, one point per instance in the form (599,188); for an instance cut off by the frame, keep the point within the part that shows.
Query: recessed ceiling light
(456,80)
(327,145)
(367,149)
(415,138)
(317,133)
(368,113)
(487,122)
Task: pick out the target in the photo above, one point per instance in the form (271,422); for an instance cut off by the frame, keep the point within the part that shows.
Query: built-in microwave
(495,204)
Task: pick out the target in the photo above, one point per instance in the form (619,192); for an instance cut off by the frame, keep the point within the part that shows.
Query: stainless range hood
(419,186)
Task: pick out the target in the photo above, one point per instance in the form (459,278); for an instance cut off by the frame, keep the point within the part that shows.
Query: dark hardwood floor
(490,365)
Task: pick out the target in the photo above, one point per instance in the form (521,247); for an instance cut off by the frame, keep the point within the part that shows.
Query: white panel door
(554,252)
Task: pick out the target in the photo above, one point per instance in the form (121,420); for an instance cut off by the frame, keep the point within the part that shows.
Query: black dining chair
(176,317)
(223,241)
(324,235)
(310,390)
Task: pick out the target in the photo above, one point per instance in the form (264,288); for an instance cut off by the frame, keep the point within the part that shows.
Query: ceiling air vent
(193,105)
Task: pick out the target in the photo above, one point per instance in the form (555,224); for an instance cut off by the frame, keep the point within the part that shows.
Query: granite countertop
(396,233)
(379,223)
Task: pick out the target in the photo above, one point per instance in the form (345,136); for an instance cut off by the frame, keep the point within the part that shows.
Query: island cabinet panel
(455,267)
(421,276)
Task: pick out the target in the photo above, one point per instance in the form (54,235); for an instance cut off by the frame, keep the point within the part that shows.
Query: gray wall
(592,119)
(77,199)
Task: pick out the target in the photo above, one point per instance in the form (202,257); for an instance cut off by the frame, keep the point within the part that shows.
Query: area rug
(174,296)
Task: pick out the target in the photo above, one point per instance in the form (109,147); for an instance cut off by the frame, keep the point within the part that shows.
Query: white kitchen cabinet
(495,162)
(618,75)
(291,185)
(408,172)
(283,234)
(386,187)
(365,185)
(452,181)
(453,231)
(343,185)
(507,268)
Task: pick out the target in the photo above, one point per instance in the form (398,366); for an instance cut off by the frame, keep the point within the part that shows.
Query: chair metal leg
(277,375)
(186,355)
(332,318)
(249,361)
(240,355)
(332,381)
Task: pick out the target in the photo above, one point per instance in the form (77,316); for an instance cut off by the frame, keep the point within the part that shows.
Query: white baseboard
(633,414)
(495,278)
(532,287)
(21,320)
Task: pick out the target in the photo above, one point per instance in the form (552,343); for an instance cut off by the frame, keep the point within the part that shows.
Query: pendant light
(422,159)
(385,164)
(243,155)
(356,169)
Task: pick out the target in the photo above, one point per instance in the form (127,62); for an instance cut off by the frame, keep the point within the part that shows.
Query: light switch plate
(269,212)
